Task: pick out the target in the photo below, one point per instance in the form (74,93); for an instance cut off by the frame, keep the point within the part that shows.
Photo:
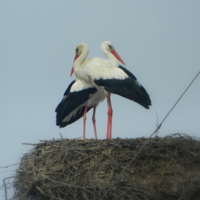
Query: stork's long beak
(118,57)
(72,70)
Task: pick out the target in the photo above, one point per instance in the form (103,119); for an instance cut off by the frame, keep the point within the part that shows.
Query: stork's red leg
(94,122)
(84,121)
(109,122)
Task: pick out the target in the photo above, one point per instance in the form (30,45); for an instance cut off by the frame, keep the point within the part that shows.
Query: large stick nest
(166,168)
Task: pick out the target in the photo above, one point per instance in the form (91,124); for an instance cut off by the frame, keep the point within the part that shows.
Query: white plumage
(108,76)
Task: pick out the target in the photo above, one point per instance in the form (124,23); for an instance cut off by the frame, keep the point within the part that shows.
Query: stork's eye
(76,50)
(110,46)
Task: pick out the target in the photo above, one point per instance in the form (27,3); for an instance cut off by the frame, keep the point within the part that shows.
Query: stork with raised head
(108,76)
(79,98)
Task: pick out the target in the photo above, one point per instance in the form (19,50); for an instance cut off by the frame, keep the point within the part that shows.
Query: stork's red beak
(72,70)
(117,56)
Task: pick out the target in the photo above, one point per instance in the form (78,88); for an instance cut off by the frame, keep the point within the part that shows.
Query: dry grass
(166,168)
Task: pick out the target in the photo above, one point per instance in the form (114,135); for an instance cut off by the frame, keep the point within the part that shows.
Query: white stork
(108,76)
(78,99)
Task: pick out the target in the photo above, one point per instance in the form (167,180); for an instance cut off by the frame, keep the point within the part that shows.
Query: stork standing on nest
(80,97)
(109,77)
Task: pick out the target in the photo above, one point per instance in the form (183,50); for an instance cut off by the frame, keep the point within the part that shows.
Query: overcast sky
(158,40)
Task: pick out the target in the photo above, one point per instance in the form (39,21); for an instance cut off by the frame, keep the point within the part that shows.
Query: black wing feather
(75,117)
(70,102)
(128,88)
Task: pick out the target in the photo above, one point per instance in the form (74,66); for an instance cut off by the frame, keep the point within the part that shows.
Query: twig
(157,122)
(194,179)
(183,135)
(156,130)
(10,165)
(61,136)
(40,190)
(50,179)
(5,188)
(29,144)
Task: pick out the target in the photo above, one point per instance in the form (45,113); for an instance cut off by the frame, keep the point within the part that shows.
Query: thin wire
(180,98)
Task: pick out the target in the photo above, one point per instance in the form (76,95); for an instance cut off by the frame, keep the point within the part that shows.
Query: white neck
(109,56)
(83,55)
